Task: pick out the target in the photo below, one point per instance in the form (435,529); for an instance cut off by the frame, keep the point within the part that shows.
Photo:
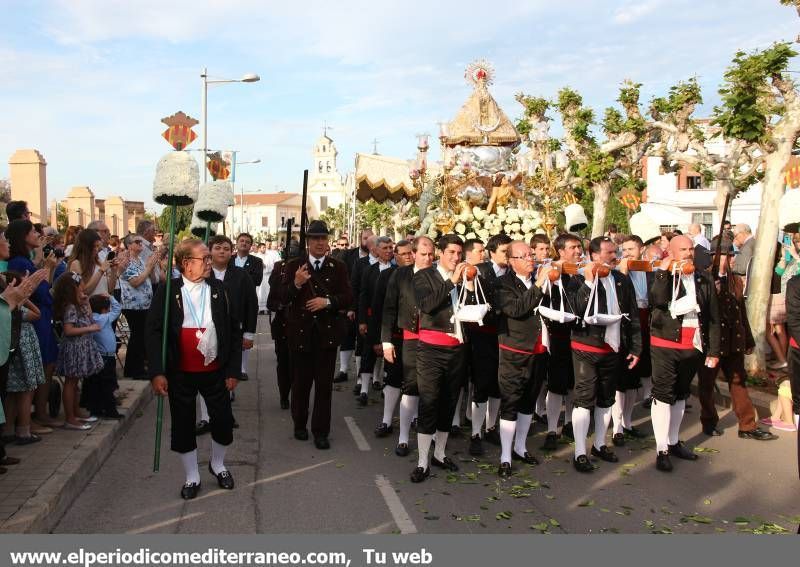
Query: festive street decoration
(180,133)
(217,166)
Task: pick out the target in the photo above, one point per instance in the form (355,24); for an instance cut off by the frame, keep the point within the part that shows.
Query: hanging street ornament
(179,132)
(479,71)
(218,167)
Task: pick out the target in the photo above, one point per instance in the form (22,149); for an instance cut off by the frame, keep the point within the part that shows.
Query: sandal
(27,440)
(79,427)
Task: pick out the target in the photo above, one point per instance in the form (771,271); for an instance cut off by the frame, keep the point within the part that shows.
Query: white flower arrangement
(460,228)
(470,235)
(215,198)
(518,223)
(198,227)
(177,179)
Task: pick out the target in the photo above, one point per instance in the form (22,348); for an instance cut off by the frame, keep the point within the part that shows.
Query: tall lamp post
(247,78)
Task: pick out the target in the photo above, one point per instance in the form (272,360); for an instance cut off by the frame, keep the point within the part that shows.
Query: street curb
(43,511)
(722,397)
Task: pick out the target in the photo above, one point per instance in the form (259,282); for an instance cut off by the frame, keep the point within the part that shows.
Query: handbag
(600,319)
(471,313)
(560,315)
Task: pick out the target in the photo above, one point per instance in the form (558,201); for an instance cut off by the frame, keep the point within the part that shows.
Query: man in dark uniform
(394,370)
(278,330)
(199,304)
(400,305)
(522,357)
(560,376)
(254,266)
(351,342)
(440,353)
(602,346)
(735,341)
(366,316)
(483,349)
(316,291)
(684,335)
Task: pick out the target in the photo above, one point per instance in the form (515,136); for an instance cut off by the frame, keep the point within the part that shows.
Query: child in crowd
(100,387)
(78,355)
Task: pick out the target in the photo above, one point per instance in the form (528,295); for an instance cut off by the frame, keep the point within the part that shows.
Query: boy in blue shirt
(100,387)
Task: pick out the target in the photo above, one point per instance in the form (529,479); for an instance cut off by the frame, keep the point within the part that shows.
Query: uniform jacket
(274,305)
(594,335)
(229,333)
(366,294)
(399,304)
(432,294)
(735,336)
(489,282)
(518,325)
(254,267)
(375,324)
(243,298)
(662,324)
(356,273)
(325,328)
(553,300)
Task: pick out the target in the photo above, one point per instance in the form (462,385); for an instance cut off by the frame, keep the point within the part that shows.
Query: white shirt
(372,259)
(702,241)
(313,261)
(498,271)
(382,266)
(639,280)
(528,281)
(219,274)
(240,261)
(193,293)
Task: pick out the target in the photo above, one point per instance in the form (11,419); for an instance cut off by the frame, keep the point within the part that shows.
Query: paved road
(287,486)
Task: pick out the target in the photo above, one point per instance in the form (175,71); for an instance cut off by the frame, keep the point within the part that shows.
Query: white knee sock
(203,409)
(568,406)
(675,419)
(647,387)
(344,360)
(660,415)
(218,457)
(408,408)
(457,414)
(617,410)
(245,358)
(602,419)
(190,468)
(627,409)
(541,402)
(580,428)
(366,378)
(390,397)
(478,415)
(424,441)
(507,429)
(441,443)
(553,406)
(520,437)
(492,409)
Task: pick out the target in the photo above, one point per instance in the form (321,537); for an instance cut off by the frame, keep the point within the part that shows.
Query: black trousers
(520,378)
(673,372)
(595,378)
(183,390)
(629,378)
(409,355)
(283,368)
(368,358)
(135,356)
(439,379)
(349,342)
(99,388)
(560,373)
(394,371)
(794,379)
(314,368)
(483,364)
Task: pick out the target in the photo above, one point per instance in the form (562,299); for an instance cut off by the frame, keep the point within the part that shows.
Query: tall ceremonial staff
(303,213)
(176,183)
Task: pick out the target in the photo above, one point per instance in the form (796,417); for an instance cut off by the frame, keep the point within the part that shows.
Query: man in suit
(483,349)
(602,346)
(745,242)
(203,355)
(522,357)
(392,389)
(254,266)
(400,305)
(684,335)
(317,293)
(364,371)
(278,327)
(384,252)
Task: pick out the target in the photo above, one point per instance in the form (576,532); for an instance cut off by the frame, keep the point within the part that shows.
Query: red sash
(437,338)
(191,359)
(410,335)
(793,343)
(686,342)
(605,349)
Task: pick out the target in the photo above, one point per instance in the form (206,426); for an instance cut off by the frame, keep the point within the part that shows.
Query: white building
(264,213)
(325,185)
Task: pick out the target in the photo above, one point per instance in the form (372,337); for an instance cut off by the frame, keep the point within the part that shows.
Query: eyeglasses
(525,257)
(206,259)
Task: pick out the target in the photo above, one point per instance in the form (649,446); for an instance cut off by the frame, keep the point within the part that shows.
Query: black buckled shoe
(582,464)
(202,427)
(475,446)
(504,471)
(492,436)
(712,431)
(758,435)
(567,432)
(605,454)
(357,389)
(682,451)
(341,377)
(322,443)
(419,474)
(224,479)
(634,433)
(284,404)
(402,450)
(618,439)
(301,434)
(190,490)
(550,441)
(445,464)
(363,399)
(527,458)
(455,431)
(243,377)
(662,461)
(383,430)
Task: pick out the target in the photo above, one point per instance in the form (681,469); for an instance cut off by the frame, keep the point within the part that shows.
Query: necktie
(316,265)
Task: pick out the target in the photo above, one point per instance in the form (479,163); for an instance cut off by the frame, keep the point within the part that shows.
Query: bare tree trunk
(764,257)
(602,192)
(723,188)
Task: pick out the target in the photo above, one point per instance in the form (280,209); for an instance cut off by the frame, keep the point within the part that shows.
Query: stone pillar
(116,215)
(28,171)
(80,206)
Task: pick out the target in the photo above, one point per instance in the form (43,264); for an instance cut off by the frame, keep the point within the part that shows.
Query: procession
(542,311)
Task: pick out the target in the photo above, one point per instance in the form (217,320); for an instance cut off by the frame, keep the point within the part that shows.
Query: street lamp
(246,78)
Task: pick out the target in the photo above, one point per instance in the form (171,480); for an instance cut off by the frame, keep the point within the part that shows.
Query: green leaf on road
(431,517)
(504,515)
(554,522)
(650,524)
(697,518)
(707,501)
(541,526)
(586,503)
(705,450)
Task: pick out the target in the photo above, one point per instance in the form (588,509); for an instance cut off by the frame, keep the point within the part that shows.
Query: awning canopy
(383,178)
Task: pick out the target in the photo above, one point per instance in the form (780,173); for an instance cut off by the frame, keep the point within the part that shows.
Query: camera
(111,255)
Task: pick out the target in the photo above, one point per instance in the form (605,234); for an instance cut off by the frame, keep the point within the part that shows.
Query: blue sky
(86,82)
